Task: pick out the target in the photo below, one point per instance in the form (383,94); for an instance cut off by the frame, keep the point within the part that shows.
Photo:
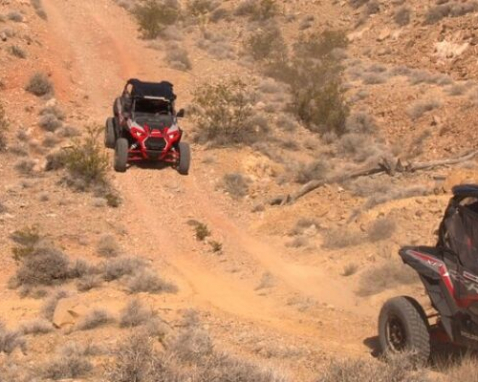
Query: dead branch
(385,166)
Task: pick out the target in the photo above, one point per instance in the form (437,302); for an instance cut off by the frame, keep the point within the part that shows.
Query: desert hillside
(322,134)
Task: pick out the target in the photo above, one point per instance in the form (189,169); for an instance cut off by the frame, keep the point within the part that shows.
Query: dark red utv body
(145,127)
(449,272)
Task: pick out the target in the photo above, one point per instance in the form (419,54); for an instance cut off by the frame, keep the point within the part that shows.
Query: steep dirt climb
(99,41)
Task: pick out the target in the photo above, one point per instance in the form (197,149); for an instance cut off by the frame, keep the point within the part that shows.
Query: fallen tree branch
(385,166)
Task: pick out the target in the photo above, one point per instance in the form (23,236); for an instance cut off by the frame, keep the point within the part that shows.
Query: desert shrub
(402,16)
(80,268)
(135,314)
(360,123)
(200,8)
(16,51)
(178,58)
(342,238)
(148,281)
(3,128)
(387,276)
(422,76)
(457,89)
(86,161)
(15,16)
(216,246)
(372,8)
(71,362)
(38,7)
(317,169)
(49,122)
(374,78)
(236,185)
(421,107)
(94,319)
(350,269)
(69,132)
(28,236)
(107,246)
(88,282)
(357,3)
(11,340)
(396,368)
(50,140)
(320,45)
(395,194)
(267,43)
(25,166)
(39,84)
(49,307)
(219,14)
(154,15)
(39,326)
(452,9)
(53,110)
(201,231)
(116,268)
(44,266)
(381,229)
(222,112)
(258,10)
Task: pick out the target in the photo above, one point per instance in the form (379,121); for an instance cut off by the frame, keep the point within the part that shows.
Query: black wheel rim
(396,334)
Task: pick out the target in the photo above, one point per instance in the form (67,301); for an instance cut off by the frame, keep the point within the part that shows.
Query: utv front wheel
(110,134)
(121,155)
(184,158)
(402,327)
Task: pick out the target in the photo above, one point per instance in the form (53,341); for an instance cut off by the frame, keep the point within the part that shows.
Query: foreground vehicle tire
(121,155)
(110,138)
(402,327)
(184,158)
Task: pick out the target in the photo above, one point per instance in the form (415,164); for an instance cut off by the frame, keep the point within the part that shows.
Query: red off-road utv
(449,272)
(145,127)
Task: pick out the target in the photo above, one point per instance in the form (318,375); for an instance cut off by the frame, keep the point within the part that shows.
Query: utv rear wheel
(184,158)
(402,327)
(110,137)
(121,155)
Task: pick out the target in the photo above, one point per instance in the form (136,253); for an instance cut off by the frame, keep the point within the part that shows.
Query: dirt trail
(101,41)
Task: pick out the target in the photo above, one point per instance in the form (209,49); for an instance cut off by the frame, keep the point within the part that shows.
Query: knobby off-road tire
(121,155)
(184,158)
(110,138)
(402,327)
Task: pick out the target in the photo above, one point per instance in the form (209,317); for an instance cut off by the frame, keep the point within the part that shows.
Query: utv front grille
(155,144)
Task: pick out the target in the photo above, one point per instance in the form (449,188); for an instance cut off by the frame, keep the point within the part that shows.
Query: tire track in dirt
(103,42)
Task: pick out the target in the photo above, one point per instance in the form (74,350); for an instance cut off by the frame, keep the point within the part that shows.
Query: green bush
(86,161)
(154,15)
(222,112)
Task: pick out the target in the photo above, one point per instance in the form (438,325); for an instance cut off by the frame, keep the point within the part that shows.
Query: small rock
(68,312)
(384,34)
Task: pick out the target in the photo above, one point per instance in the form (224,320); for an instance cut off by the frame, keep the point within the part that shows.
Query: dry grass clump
(135,314)
(236,185)
(267,44)
(116,268)
(178,58)
(257,10)
(222,112)
(396,194)
(39,84)
(107,246)
(360,123)
(38,326)
(88,282)
(422,76)
(49,122)
(94,319)
(3,128)
(18,52)
(396,368)
(402,16)
(387,276)
(317,169)
(451,9)
(457,89)
(153,16)
(25,166)
(148,281)
(11,340)
(216,45)
(199,9)
(39,10)
(342,238)
(421,107)
(71,362)
(15,16)
(381,229)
